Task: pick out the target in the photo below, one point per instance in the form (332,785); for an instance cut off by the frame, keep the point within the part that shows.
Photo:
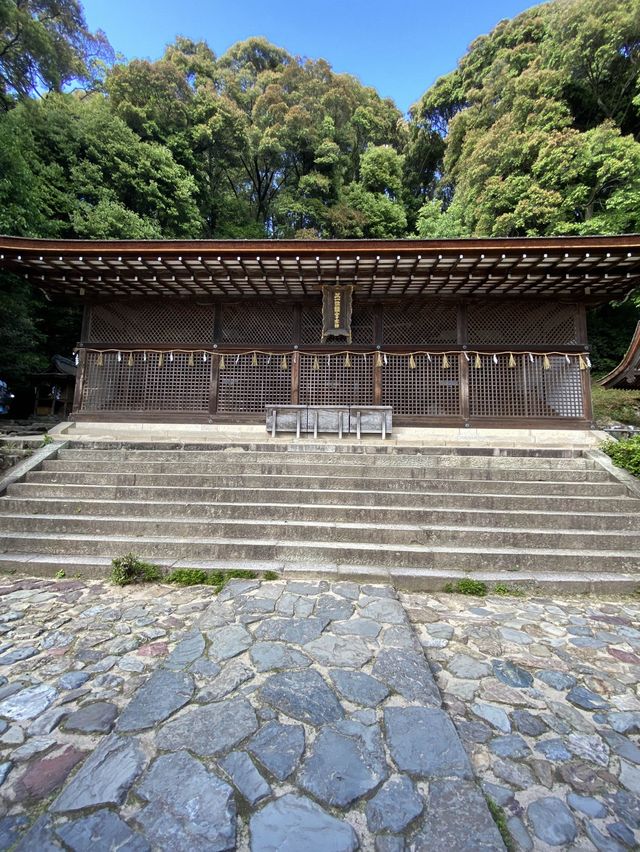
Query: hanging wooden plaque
(336,311)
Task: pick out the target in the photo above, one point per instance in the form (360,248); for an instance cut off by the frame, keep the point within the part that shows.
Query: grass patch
(507,591)
(217,579)
(271,575)
(467,586)
(615,405)
(240,573)
(191,577)
(501,822)
(131,569)
(624,453)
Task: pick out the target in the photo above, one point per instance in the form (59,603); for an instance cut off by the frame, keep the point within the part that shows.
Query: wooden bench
(343,419)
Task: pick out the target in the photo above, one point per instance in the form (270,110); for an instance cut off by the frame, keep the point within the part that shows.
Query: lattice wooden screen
(521,323)
(257,323)
(333,383)
(151,321)
(526,390)
(420,322)
(145,386)
(246,388)
(361,324)
(311,323)
(428,389)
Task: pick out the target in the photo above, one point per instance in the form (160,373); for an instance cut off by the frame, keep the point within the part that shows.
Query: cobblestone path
(304,716)
(545,696)
(71,656)
(288,717)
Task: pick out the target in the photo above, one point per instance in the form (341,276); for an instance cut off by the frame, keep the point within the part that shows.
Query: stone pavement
(285,716)
(545,696)
(288,716)
(71,656)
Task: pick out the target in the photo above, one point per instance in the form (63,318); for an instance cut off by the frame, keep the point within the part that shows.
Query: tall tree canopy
(274,142)
(45,44)
(540,124)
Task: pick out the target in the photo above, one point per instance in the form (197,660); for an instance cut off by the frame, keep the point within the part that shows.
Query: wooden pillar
(582,338)
(378,329)
(462,319)
(297,324)
(295,378)
(463,364)
(214,375)
(378,378)
(216,331)
(85,331)
(580,321)
(77,395)
(463,372)
(378,324)
(85,334)
(587,405)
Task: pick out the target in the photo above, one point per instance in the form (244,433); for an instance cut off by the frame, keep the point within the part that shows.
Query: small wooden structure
(626,375)
(54,389)
(469,332)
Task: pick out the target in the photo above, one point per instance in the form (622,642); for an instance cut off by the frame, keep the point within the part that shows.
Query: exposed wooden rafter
(591,269)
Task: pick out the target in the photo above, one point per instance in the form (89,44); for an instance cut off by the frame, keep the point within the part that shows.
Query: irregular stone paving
(289,716)
(545,695)
(71,656)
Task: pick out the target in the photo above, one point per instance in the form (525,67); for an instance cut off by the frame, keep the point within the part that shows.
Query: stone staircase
(418,517)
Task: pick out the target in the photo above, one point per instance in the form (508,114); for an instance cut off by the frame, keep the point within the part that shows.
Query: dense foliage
(537,131)
(625,453)
(44,45)
(542,121)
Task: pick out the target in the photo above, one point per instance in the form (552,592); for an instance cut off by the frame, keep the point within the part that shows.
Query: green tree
(598,55)
(378,211)
(276,137)
(44,45)
(88,175)
(22,342)
(380,217)
(537,125)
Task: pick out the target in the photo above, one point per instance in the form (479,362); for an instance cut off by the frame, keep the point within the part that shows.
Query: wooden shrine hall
(482,332)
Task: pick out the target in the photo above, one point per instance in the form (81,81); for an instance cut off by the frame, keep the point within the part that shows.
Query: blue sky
(398,47)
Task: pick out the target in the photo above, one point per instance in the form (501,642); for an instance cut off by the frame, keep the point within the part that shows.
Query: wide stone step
(443,558)
(345,446)
(407,579)
(388,535)
(297,511)
(520,484)
(295,468)
(421,500)
(391,459)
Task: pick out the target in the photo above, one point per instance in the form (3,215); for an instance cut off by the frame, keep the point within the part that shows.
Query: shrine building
(460,332)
